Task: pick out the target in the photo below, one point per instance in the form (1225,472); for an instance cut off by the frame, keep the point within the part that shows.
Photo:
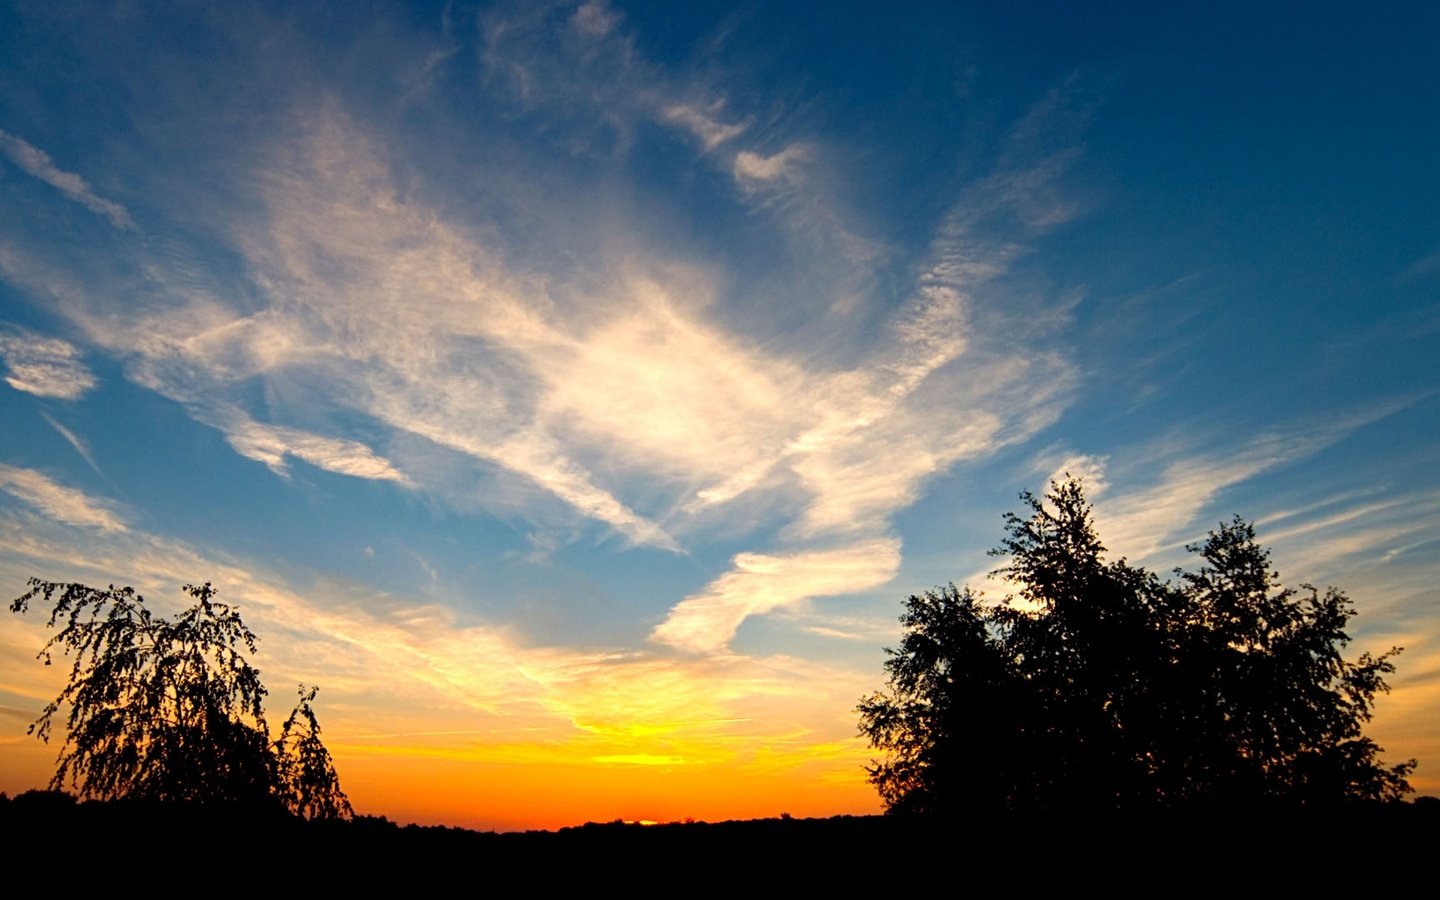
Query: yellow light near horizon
(484,795)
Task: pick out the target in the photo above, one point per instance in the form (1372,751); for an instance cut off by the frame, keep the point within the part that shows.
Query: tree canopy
(171,709)
(1097,685)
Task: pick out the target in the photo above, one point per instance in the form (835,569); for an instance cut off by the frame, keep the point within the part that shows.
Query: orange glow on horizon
(447,790)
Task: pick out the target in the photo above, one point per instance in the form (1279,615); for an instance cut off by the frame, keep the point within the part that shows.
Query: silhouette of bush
(1097,686)
(163,710)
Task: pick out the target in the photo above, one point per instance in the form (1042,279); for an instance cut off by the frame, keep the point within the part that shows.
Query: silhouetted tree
(171,710)
(307,781)
(1098,686)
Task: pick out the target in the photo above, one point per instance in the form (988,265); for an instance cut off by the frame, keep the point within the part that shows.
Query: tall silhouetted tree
(171,710)
(1097,686)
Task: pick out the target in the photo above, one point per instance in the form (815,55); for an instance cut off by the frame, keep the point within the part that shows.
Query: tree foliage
(308,784)
(1098,686)
(170,710)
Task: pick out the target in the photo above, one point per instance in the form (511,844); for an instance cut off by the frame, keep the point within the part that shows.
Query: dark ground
(232,851)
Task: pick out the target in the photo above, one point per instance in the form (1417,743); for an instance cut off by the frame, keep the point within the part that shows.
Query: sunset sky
(574,391)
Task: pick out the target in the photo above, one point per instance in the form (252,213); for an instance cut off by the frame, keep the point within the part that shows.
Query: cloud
(38,163)
(662,385)
(381,306)
(852,628)
(934,392)
(1089,469)
(1139,517)
(73,440)
(1369,534)
(45,367)
(619,387)
(600,82)
(761,583)
(63,504)
(595,18)
(703,122)
(407,319)
(270,444)
(929,332)
(628,387)
(752,170)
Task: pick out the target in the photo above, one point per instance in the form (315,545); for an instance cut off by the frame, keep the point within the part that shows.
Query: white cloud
(378,306)
(929,333)
(424,330)
(73,440)
(703,122)
(427,333)
(270,444)
(753,170)
(39,164)
(1089,469)
(627,388)
(762,583)
(63,504)
(1142,522)
(1375,533)
(1143,519)
(622,388)
(922,403)
(45,367)
(843,627)
(860,477)
(666,387)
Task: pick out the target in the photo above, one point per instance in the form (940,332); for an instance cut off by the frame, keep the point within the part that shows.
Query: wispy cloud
(638,382)
(589,65)
(760,584)
(619,390)
(704,122)
(753,170)
(868,629)
(595,18)
(74,441)
(1372,536)
(39,164)
(63,504)
(45,367)
(271,444)
(1090,470)
(1158,502)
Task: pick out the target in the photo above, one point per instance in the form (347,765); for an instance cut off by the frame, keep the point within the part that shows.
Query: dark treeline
(129,840)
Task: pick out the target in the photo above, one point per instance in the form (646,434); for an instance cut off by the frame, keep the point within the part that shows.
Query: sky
(575,391)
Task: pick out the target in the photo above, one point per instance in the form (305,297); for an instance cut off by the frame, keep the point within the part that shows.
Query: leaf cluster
(171,710)
(1098,686)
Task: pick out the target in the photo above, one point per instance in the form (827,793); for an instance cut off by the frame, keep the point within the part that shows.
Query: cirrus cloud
(45,367)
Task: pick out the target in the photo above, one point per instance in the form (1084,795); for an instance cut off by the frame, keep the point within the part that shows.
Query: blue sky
(588,383)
